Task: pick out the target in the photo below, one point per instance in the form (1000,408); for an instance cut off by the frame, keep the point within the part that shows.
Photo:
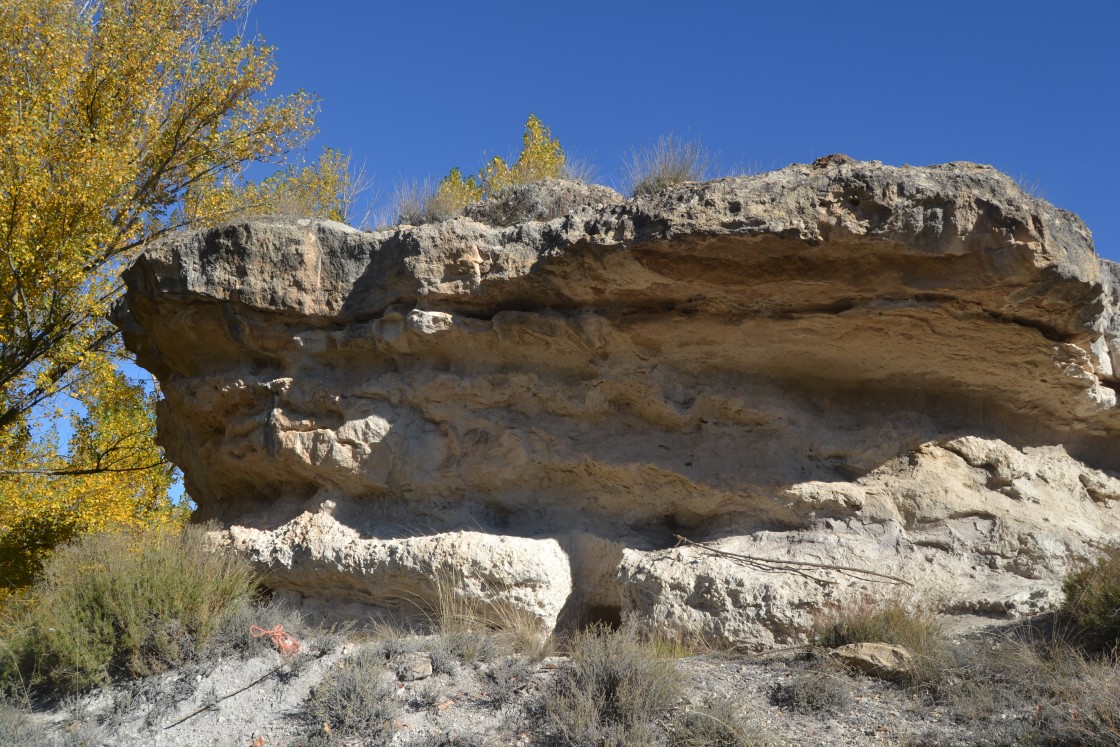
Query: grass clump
(816,691)
(665,163)
(612,691)
(475,624)
(715,725)
(679,644)
(1092,601)
(356,698)
(124,605)
(888,621)
(416,202)
(1016,692)
(17,727)
(891,621)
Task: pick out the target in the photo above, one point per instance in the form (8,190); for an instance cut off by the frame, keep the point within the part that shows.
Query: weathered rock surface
(537,201)
(905,370)
(882,660)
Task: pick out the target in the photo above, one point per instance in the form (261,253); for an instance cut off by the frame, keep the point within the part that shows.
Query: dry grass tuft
(580,170)
(892,621)
(612,691)
(1015,692)
(479,625)
(681,644)
(716,725)
(665,163)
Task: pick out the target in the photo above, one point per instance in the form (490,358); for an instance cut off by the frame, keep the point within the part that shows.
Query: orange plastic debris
(284,642)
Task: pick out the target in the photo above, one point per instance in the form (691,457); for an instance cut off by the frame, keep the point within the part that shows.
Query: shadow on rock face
(904,369)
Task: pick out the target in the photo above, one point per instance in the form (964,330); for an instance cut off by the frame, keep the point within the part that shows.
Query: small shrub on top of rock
(539,201)
(1092,601)
(541,158)
(666,163)
(415,202)
(612,691)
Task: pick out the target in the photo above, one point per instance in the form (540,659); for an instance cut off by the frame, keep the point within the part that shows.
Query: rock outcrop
(910,371)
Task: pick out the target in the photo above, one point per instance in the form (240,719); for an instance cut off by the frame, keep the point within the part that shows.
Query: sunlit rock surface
(906,370)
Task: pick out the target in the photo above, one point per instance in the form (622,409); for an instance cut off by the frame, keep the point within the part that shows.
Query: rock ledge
(910,370)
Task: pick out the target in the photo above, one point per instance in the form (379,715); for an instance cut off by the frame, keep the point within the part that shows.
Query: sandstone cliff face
(906,370)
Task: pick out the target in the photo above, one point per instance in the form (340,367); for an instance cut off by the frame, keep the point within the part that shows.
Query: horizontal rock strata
(906,370)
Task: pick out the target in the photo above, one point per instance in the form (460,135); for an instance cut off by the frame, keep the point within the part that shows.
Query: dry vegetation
(665,163)
(120,607)
(1053,682)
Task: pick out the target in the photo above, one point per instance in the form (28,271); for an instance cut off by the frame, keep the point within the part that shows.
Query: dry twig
(799,567)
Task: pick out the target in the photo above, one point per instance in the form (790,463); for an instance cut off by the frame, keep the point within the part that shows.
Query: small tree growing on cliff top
(120,120)
(541,158)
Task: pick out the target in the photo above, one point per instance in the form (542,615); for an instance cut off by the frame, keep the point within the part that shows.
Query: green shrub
(613,689)
(356,698)
(668,162)
(1092,601)
(123,605)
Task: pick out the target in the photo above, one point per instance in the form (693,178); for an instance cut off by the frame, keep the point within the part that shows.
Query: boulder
(882,660)
(414,666)
(838,378)
(540,201)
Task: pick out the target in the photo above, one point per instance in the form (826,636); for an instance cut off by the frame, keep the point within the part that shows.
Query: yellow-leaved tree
(120,120)
(541,158)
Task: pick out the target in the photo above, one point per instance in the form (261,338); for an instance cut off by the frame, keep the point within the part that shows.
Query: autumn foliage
(541,158)
(119,121)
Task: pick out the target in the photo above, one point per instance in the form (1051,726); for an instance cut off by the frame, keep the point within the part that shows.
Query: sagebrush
(612,691)
(356,698)
(120,605)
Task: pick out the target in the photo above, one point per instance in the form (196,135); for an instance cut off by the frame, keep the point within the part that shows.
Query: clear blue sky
(414,88)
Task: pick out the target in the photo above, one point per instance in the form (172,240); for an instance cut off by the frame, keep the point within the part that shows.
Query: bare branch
(774,565)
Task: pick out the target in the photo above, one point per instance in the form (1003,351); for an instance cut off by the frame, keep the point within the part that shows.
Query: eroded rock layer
(905,370)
